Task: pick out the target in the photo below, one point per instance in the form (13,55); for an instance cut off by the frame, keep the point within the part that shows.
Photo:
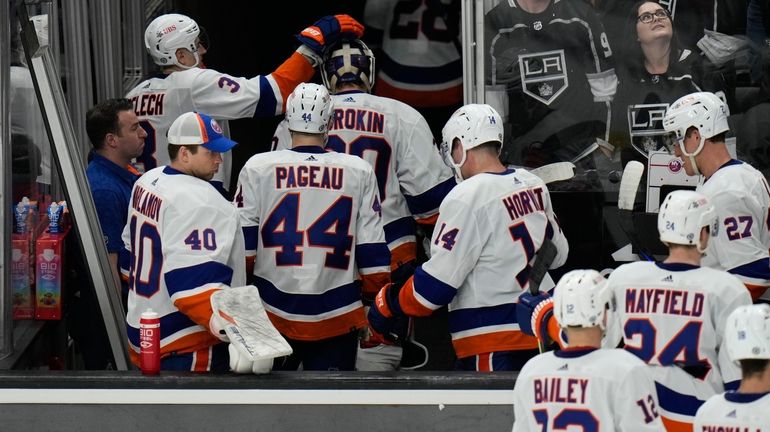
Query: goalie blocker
(240,318)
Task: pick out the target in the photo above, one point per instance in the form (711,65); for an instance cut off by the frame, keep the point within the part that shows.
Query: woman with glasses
(654,70)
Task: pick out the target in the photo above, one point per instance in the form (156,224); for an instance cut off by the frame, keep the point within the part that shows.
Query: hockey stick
(543,259)
(629,183)
(557,171)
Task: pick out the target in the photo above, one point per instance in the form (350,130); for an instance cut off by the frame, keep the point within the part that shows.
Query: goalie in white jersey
(748,408)
(738,191)
(173,42)
(583,385)
(489,228)
(311,218)
(186,244)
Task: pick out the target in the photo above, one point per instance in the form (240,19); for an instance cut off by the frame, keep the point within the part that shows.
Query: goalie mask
(582,298)
(682,215)
(702,110)
(168,33)
(473,125)
(349,61)
(309,109)
(747,333)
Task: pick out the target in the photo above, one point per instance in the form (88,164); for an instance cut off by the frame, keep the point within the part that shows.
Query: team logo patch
(645,127)
(544,75)
(215,126)
(675,165)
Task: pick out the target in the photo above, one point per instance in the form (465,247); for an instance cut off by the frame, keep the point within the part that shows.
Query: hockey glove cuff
(328,30)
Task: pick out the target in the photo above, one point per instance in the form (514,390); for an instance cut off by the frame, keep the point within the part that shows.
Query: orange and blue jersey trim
(755,275)
(295,70)
(313,316)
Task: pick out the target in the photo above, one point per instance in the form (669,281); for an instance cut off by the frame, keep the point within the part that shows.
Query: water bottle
(149,342)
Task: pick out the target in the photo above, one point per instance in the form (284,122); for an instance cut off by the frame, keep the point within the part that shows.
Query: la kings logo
(645,126)
(544,75)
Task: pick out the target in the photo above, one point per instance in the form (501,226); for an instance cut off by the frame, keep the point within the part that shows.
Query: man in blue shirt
(114,131)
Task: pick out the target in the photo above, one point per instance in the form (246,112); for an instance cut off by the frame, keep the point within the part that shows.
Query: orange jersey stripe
(201,360)
(756,291)
(430,220)
(250,261)
(676,426)
(295,70)
(403,254)
(554,331)
(493,342)
(409,303)
(419,99)
(188,343)
(197,307)
(313,331)
(372,283)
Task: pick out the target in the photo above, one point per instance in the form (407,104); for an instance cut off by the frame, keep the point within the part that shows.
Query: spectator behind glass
(654,70)
(550,74)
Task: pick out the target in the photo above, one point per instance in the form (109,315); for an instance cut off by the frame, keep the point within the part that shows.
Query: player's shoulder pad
(351,161)
(622,359)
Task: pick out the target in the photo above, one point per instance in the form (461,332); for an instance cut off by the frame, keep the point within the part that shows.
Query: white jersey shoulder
(598,390)
(397,142)
(158,101)
(488,227)
(741,196)
(733,411)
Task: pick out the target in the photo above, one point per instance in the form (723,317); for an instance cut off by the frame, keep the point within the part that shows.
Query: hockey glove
(327,31)
(533,314)
(385,316)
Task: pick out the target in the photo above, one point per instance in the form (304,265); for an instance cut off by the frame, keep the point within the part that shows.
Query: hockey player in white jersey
(748,408)
(739,192)
(585,386)
(173,42)
(672,314)
(186,244)
(396,140)
(392,136)
(489,228)
(311,219)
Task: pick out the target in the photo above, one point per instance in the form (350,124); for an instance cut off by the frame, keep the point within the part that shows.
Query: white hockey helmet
(702,110)
(683,214)
(348,61)
(473,125)
(168,33)
(582,298)
(309,109)
(747,333)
